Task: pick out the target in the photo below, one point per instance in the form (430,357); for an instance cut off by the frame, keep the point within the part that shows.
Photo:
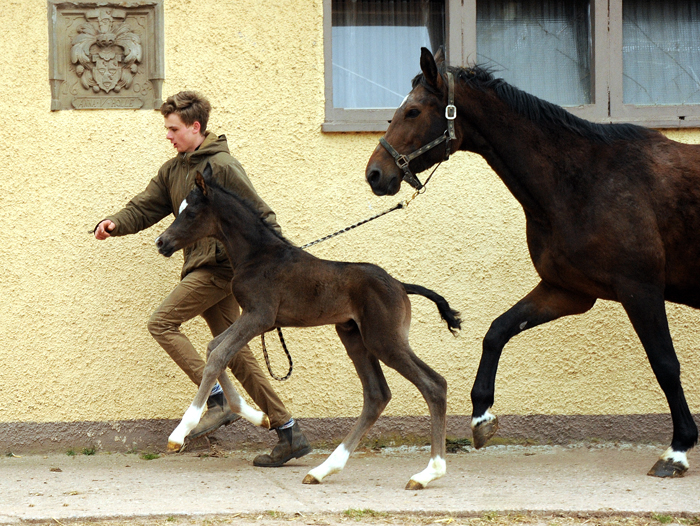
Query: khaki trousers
(201,292)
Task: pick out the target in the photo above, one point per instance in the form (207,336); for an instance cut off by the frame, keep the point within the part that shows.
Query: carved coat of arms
(106,51)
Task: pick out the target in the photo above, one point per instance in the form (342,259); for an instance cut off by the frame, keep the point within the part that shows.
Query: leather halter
(402,161)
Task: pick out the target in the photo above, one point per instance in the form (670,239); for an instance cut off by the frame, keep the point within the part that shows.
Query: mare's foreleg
(646,309)
(376,395)
(545,303)
(220,352)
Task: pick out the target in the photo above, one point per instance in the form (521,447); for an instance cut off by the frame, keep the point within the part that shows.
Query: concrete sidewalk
(599,479)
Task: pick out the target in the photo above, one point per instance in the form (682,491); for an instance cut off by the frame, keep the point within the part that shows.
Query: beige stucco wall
(73,311)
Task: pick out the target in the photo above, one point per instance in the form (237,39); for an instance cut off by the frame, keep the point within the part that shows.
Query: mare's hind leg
(376,395)
(545,303)
(646,309)
(221,351)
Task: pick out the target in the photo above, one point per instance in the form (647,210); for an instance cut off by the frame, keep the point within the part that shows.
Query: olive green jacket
(174,181)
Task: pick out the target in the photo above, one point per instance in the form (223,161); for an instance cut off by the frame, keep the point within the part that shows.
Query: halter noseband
(402,161)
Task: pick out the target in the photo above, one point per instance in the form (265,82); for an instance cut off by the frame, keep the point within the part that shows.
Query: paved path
(500,478)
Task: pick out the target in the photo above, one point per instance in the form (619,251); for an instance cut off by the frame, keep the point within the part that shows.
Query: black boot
(292,444)
(218,414)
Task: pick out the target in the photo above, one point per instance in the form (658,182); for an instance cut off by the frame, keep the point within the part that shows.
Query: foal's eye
(412,113)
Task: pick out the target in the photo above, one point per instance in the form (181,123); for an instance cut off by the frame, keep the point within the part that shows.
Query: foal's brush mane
(260,224)
(537,110)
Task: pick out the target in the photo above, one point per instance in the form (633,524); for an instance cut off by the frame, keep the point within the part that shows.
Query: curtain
(376,48)
(540,46)
(661,52)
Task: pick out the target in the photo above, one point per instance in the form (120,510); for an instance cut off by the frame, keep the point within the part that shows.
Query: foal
(280,285)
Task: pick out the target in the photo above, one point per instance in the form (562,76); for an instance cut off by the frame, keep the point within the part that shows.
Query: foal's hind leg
(376,396)
(433,387)
(545,303)
(646,309)
(221,351)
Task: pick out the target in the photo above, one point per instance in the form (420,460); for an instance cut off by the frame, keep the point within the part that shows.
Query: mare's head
(419,120)
(196,218)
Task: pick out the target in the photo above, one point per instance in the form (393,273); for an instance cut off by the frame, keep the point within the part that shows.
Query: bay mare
(612,212)
(280,285)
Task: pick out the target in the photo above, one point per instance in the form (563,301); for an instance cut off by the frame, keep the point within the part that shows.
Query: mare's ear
(440,56)
(200,182)
(429,68)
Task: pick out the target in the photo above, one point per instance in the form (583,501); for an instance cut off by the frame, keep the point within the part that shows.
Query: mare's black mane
(260,224)
(537,110)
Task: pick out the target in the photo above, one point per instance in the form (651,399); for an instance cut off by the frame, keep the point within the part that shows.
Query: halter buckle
(402,162)
(451,112)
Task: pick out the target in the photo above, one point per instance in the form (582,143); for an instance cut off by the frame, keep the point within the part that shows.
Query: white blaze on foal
(183,205)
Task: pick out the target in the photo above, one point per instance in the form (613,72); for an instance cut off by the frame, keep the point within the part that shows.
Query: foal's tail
(451,316)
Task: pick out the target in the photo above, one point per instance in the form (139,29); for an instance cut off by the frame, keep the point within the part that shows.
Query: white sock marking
(676,456)
(486,417)
(437,467)
(189,421)
(333,464)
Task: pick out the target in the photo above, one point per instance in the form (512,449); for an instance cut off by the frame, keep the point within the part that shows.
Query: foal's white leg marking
(251,414)
(183,205)
(678,457)
(333,464)
(188,423)
(486,417)
(437,467)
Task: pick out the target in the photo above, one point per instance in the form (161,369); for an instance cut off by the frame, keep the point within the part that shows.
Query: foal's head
(419,120)
(196,218)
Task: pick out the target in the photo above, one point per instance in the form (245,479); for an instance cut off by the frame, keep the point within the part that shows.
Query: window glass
(661,52)
(541,46)
(376,45)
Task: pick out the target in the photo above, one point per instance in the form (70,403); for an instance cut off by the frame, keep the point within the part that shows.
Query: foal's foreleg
(646,309)
(376,395)
(545,303)
(219,354)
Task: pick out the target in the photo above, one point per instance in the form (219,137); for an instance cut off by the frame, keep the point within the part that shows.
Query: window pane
(661,52)
(540,46)
(376,48)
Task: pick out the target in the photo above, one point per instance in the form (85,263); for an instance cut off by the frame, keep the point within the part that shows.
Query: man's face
(184,138)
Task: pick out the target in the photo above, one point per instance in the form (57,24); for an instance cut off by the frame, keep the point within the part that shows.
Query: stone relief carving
(106,52)
(106,55)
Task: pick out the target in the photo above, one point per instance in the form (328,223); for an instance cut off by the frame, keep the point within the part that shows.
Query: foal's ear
(200,182)
(429,68)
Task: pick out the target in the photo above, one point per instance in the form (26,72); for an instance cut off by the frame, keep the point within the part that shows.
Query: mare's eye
(412,114)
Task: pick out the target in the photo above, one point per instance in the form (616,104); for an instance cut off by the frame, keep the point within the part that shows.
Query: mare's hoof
(174,446)
(483,432)
(667,469)
(413,485)
(310,479)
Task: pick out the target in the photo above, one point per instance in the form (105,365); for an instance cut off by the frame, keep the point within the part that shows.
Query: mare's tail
(451,316)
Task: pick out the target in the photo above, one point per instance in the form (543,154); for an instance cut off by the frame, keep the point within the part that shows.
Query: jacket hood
(212,144)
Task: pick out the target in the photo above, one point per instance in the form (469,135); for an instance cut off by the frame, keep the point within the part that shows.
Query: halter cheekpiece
(402,161)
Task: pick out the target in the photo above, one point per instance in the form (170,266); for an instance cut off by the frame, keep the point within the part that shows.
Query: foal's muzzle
(164,247)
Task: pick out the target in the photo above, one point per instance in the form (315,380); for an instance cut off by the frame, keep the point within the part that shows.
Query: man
(205,286)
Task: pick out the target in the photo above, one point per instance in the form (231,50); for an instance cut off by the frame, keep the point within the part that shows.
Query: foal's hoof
(174,447)
(413,485)
(483,432)
(667,468)
(310,479)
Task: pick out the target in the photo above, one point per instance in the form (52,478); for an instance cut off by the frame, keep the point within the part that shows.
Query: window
(374,49)
(604,60)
